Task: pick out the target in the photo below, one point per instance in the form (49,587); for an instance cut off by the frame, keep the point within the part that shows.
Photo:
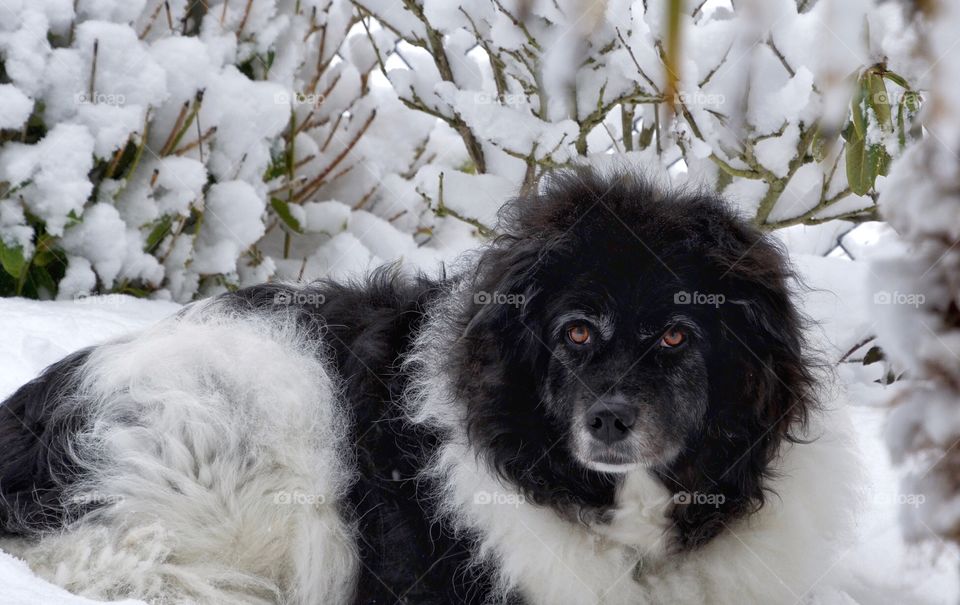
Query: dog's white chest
(551,560)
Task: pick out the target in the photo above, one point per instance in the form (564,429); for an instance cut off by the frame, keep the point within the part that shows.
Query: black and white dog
(612,403)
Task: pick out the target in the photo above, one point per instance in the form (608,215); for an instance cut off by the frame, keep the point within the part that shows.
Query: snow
(776,153)
(24,50)
(787,104)
(179,181)
(916,283)
(15,107)
(12,230)
(330,217)
(110,10)
(231,225)
(56,169)
(37,334)
(21,587)
(112,124)
(101,238)
(79,278)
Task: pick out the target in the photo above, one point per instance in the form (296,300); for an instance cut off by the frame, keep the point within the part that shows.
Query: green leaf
(43,281)
(282,208)
(819,147)
(897,79)
(912,100)
(874,355)
(46,252)
(12,260)
(858,109)
(849,133)
(857,167)
(864,163)
(877,154)
(73,219)
(878,100)
(159,231)
(901,125)
(277,167)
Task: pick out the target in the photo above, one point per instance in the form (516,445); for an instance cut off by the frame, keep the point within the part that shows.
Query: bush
(178,149)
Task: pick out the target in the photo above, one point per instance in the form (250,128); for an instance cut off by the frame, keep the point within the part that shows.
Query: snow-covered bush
(917,288)
(755,100)
(180,148)
(144,143)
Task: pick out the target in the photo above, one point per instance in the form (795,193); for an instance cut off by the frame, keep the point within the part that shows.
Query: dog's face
(627,377)
(615,327)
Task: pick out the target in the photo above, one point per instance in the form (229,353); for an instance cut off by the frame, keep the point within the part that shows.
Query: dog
(611,402)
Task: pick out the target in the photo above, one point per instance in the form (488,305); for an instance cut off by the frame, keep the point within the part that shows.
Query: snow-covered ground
(38,333)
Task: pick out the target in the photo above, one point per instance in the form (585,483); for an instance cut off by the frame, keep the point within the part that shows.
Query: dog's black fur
(607,246)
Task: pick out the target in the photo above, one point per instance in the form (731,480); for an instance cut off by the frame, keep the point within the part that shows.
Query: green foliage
(35,276)
(871,108)
(282,208)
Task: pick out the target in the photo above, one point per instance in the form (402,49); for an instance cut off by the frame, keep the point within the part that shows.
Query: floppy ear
(504,291)
(761,385)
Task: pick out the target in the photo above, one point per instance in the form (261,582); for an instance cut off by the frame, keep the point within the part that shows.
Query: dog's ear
(497,362)
(761,383)
(504,295)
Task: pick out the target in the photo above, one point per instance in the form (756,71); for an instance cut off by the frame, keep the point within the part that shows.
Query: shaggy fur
(417,440)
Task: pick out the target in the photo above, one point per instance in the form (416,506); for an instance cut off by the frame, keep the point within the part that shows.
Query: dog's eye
(578,334)
(674,337)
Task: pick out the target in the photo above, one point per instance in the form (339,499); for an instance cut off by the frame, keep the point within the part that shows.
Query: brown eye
(578,334)
(673,337)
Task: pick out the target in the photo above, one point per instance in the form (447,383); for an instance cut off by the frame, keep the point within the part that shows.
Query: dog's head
(614,326)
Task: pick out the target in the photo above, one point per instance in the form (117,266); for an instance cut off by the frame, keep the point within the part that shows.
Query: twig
(93,73)
(177,125)
(243,20)
(716,68)
(635,62)
(203,138)
(856,348)
(318,181)
(442,210)
(152,19)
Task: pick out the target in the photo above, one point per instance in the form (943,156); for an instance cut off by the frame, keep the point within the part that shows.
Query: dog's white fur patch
(217,445)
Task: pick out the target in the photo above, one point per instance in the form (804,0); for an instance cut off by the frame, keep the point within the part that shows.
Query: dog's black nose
(610,419)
